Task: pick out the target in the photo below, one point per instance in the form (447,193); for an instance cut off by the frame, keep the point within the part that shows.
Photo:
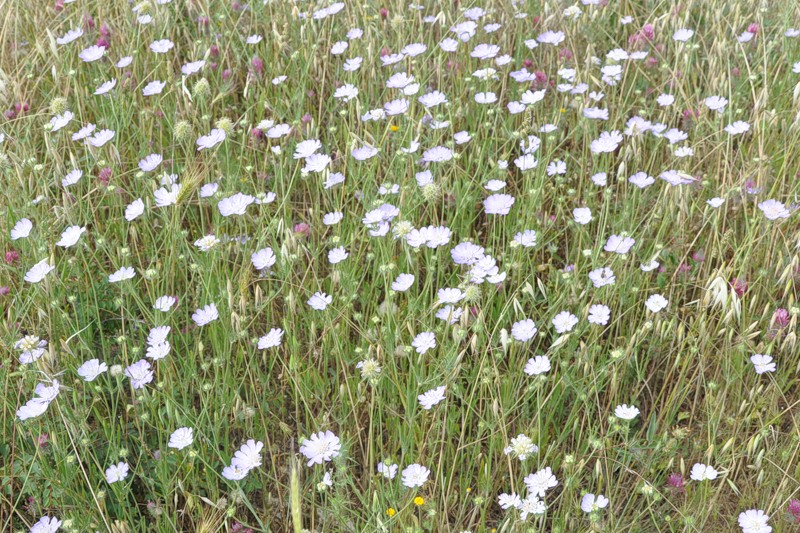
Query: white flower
(591,503)
(557,167)
(70,236)
(607,142)
(601,277)
(100,138)
(38,271)
(387,470)
(656,303)
(161,46)
(665,100)
(648,267)
(193,67)
(271,339)
(582,215)
(540,482)
(701,472)
(599,314)
(116,472)
(337,255)
(105,87)
(248,456)
(134,210)
(526,238)
(773,209)
(424,341)
(70,36)
(124,273)
(683,35)
(215,136)
(150,162)
(319,301)
(564,322)
(46,524)
(754,521)
(92,53)
(21,229)
(158,351)
(551,37)
(91,369)
(642,180)
(235,205)
(762,363)
(208,190)
(438,154)
(154,87)
(403,282)
(321,447)
(415,475)
(59,121)
(234,473)
(432,397)
(498,204)
(71,178)
(205,315)
(362,153)
(83,133)
(626,412)
(527,160)
(263,259)
(716,103)
(737,128)
(509,501)
(165,198)
(521,447)
(140,373)
(619,244)
(165,303)
(181,438)
(33,408)
(537,365)
(524,330)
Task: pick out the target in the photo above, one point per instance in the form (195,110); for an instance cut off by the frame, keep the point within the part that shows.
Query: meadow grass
(728,269)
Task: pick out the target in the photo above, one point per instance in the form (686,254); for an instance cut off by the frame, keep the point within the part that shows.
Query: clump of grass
(281,266)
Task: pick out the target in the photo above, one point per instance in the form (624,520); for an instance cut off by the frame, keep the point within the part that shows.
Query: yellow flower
(390,511)
(469,489)
(419,500)
(394,128)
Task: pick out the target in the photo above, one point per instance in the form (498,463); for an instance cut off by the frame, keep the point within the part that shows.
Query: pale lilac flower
(181,438)
(271,339)
(564,322)
(205,315)
(702,472)
(591,503)
(762,363)
(321,447)
(524,330)
(432,397)
(424,341)
(626,412)
(319,301)
(117,472)
(537,365)
(754,521)
(415,475)
(656,303)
